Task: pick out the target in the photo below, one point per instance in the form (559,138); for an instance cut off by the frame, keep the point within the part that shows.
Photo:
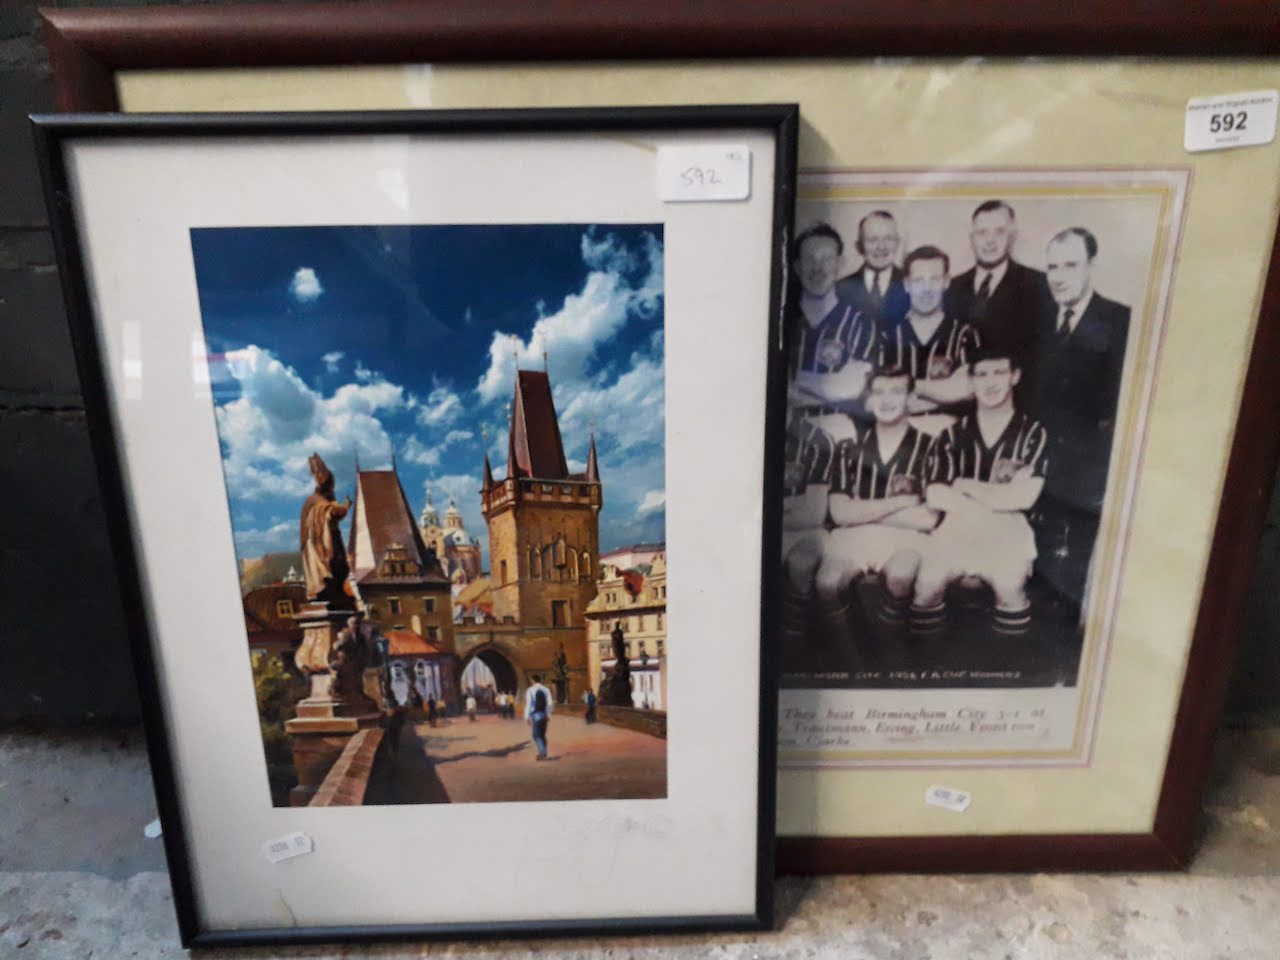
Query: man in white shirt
(537,713)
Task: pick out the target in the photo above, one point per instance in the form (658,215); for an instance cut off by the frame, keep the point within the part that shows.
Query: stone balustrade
(652,722)
(347,780)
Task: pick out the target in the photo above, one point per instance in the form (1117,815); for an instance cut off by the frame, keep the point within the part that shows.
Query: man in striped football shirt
(877,508)
(806,481)
(832,345)
(985,472)
(932,344)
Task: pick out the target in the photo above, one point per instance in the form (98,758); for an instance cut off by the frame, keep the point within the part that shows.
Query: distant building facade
(429,669)
(458,550)
(473,602)
(543,526)
(637,602)
(269,618)
(634,557)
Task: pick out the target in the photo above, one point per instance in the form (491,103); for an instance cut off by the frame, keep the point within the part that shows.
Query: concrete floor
(78,879)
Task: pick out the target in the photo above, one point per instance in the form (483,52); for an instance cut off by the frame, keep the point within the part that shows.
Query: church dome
(460,538)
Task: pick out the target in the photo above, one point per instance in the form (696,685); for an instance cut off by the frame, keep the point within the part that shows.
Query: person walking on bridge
(537,713)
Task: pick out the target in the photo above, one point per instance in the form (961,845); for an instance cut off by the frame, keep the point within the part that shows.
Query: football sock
(796,606)
(928,621)
(1012,623)
(892,611)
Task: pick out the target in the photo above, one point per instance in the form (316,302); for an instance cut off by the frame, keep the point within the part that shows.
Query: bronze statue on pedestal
(615,691)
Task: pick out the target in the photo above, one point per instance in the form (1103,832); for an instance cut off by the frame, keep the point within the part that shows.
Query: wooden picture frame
(210,864)
(89,48)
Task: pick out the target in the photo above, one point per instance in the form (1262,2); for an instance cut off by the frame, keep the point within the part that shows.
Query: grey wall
(63,655)
(63,652)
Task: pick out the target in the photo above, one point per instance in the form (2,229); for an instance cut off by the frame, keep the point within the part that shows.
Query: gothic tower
(544,532)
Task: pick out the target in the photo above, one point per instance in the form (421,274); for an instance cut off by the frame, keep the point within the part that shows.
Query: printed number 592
(1226,122)
(699,175)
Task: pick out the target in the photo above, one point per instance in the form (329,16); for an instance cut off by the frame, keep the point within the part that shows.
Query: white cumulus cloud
(415,451)
(585,320)
(278,538)
(652,502)
(305,285)
(331,360)
(441,406)
(630,411)
(278,421)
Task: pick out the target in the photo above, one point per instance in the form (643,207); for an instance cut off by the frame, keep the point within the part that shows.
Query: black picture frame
(52,135)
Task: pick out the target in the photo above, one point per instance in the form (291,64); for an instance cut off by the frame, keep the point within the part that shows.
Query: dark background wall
(63,649)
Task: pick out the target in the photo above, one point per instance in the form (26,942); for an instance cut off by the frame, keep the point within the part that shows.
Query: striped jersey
(808,456)
(861,472)
(948,349)
(844,334)
(960,451)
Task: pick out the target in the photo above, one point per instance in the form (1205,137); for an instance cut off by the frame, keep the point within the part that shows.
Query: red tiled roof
(260,607)
(406,643)
(534,446)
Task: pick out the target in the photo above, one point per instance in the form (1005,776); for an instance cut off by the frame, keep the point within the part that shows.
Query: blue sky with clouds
(364,339)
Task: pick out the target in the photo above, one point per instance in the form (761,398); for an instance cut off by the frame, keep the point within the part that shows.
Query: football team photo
(962,362)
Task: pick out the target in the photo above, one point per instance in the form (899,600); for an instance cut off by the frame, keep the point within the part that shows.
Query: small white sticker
(704,172)
(287,847)
(152,829)
(948,798)
(1231,120)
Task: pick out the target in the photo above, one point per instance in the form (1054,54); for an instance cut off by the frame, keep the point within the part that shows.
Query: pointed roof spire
(534,448)
(511,438)
(488,474)
(593,464)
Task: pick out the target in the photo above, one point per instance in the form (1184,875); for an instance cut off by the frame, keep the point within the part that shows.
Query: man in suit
(875,289)
(1000,297)
(1082,337)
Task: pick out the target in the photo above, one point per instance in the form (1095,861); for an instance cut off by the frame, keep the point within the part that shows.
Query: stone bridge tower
(544,538)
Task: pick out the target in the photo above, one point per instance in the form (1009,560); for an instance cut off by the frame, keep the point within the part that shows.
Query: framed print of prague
(414,597)
(1052,175)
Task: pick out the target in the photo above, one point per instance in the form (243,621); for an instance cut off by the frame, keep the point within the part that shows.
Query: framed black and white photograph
(440,529)
(967,416)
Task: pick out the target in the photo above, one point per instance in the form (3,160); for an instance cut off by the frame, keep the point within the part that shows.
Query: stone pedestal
(320,625)
(324,723)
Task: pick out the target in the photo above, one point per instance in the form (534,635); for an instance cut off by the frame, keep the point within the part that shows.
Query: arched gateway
(506,677)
